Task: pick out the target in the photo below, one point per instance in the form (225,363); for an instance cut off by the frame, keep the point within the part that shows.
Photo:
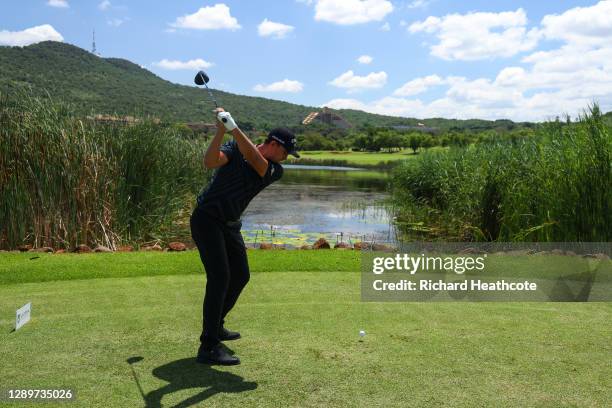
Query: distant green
(350,158)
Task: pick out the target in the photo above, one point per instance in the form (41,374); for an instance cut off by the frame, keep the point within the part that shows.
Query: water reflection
(353,179)
(342,205)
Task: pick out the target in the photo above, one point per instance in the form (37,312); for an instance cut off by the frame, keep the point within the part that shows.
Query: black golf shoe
(225,334)
(216,355)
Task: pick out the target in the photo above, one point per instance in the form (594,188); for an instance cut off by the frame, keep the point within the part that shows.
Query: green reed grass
(554,186)
(66,180)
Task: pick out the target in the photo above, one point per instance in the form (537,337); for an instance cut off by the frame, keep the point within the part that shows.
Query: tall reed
(554,186)
(66,180)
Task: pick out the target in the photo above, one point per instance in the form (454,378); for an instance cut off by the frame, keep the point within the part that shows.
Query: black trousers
(223,254)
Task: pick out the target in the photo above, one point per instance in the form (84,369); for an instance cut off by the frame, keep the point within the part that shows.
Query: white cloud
(29,36)
(348,12)
(365,59)
(116,22)
(306,2)
(586,26)
(58,3)
(386,106)
(418,85)
(483,93)
(418,4)
(354,83)
(475,36)
(285,85)
(415,108)
(571,59)
(269,28)
(579,70)
(216,17)
(486,99)
(342,103)
(174,65)
(385,27)
(511,76)
(105,5)
(545,84)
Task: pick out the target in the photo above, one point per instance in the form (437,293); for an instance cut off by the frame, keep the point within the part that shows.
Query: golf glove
(227,120)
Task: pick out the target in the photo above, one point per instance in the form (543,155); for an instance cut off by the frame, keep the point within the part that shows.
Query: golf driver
(202,79)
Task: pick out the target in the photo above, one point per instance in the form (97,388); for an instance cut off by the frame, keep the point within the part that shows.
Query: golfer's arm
(213,157)
(250,152)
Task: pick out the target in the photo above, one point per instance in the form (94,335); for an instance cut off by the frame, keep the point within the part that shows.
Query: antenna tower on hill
(93,45)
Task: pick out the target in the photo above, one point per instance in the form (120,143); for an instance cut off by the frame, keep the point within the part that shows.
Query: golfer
(243,171)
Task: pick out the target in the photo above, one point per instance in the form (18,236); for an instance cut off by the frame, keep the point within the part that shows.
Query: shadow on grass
(187,374)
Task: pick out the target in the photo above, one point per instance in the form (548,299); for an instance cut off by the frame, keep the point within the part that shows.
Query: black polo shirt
(235,184)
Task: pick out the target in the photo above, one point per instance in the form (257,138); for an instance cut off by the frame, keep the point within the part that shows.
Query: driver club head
(201,78)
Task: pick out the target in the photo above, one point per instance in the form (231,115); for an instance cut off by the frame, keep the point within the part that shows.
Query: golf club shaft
(211,96)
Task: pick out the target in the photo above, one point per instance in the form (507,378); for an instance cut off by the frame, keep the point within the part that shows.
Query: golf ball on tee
(361,333)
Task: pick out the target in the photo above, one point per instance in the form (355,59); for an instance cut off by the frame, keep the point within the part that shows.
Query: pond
(309,202)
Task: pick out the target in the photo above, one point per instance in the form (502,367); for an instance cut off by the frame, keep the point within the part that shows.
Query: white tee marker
(23,315)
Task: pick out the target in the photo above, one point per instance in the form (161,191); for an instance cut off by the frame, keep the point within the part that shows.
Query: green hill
(117,86)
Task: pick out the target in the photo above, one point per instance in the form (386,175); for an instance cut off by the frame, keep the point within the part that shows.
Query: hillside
(111,85)
(118,86)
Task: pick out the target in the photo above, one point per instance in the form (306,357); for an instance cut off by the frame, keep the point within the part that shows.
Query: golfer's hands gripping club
(226,119)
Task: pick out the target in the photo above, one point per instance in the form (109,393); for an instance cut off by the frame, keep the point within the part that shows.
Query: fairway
(300,344)
(357,158)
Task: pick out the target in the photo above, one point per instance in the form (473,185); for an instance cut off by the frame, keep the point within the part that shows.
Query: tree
(414,141)
(315,141)
(427,141)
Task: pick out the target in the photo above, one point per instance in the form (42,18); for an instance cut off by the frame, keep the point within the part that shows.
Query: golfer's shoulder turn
(230,150)
(275,170)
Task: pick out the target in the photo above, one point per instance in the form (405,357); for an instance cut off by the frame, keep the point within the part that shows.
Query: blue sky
(420,58)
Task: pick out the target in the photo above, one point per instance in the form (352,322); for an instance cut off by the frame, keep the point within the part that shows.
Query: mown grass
(67,180)
(300,344)
(554,187)
(32,267)
(350,158)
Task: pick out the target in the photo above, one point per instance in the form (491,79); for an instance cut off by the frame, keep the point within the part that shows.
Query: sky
(496,59)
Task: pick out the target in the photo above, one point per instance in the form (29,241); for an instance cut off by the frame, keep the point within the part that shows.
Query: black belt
(237,224)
